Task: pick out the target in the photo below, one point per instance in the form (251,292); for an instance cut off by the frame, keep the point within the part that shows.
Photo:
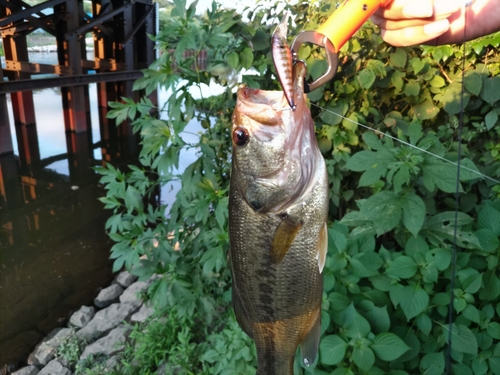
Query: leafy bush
(390,281)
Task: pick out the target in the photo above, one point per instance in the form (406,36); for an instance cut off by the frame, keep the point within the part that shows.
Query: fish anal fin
(283,238)
(322,246)
(239,312)
(309,346)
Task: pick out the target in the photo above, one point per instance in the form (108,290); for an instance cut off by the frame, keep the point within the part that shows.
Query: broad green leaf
(462,338)
(332,349)
(363,357)
(413,301)
(246,58)
(412,88)
(489,218)
(494,330)
(494,364)
(454,99)
(417,65)
(489,91)
(426,110)
(337,240)
(460,369)
(398,58)
(472,283)
(424,323)
(439,258)
(233,59)
(471,313)
(377,67)
(491,289)
(357,327)
(378,317)
(437,81)
(473,82)
(491,119)
(432,364)
(403,267)
(413,213)
(366,78)
(388,347)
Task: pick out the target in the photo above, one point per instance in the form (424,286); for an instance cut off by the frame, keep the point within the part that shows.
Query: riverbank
(98,331)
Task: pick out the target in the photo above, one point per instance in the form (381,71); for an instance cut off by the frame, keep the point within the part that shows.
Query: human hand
(410,22)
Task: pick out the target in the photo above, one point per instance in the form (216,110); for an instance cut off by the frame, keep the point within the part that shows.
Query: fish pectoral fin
(239,312)
(309,346)
(283,238)
(322,246)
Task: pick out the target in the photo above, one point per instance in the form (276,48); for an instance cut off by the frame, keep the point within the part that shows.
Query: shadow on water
(54,252)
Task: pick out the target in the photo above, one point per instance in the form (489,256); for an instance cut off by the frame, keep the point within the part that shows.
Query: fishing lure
(283,60)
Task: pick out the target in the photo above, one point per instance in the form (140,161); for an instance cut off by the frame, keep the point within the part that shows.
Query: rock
(108,345)
(108,296)
(54,368)
(131,294)
(125,279)
(80,318)
(105,320)
(46,350)
(62,335)
(143,313)
(28,370)
(42,355)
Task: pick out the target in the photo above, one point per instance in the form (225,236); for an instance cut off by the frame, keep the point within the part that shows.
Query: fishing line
(410,145)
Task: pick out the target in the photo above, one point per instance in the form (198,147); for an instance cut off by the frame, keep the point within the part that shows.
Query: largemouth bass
(278,205)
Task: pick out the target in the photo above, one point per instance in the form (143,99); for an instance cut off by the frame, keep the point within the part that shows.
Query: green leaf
(494,364)
(413,213)
(437,82)
(363,357)
(452,99)
(489,91)
(402,267)
(413,301)
(494,330)
(378,317)
(246,58)
(388,347)
(398,58)
(332,350)
(426,110)
(424,323)
(489,218)
(462,338)
(233,59)
(366,78)
(439,258)
(357,327)
(412,88)
(473,82)
(432,364)
(491,119)
(471,313)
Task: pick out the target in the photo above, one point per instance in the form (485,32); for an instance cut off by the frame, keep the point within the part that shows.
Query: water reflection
(53,247)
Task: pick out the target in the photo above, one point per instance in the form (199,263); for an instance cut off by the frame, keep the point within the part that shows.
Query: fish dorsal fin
(309,346)
(283,238)
(322,246)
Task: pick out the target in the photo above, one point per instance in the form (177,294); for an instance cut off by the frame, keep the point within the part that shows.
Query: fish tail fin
(309,346)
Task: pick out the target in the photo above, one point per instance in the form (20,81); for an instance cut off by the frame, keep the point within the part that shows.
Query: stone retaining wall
(101,328)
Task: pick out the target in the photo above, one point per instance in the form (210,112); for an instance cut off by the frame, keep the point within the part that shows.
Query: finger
(415,35)
(388,24)
(404,9)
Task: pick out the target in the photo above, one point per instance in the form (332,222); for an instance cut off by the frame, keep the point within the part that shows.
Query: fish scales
(277,224)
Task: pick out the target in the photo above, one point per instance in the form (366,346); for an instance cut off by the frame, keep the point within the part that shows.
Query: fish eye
(240,136)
